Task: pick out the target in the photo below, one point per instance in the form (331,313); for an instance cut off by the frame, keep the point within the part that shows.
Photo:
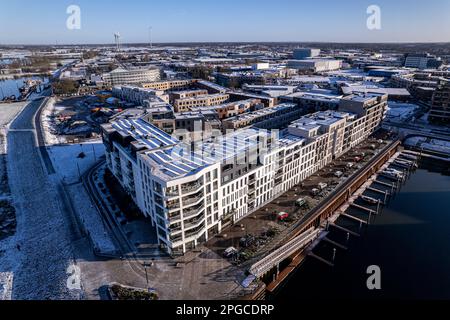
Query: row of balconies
(192,199)
(186,188)
(192,211)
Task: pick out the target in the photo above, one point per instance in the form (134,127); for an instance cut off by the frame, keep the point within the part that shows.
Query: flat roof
(261,113)
(144,132)
(319,119)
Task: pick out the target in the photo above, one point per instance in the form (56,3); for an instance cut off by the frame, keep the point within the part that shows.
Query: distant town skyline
(45,22)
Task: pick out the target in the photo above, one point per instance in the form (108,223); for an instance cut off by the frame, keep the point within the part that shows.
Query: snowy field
(69,165)
(91,219)
(400,112)
(8,111)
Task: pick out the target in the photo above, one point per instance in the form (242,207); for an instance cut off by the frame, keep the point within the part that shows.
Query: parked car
(282,215)
(300,202)
(247,241)
(338,174)
(322,185)
(229,252)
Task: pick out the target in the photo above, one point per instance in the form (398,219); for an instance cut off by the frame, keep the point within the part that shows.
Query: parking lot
(251,235)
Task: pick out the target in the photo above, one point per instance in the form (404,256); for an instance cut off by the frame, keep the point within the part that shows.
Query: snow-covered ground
(47,123)
(91,219)
(41,250)
(69,165)
(6,281)
(35,259)
(8,111)
(400,112)
(429,144)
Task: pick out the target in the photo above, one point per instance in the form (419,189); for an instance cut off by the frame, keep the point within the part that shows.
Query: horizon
(218,42)
(201,21)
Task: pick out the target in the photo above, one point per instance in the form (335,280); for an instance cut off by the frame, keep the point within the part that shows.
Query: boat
(369,199)
(407,163)
(395,174)
(409,156)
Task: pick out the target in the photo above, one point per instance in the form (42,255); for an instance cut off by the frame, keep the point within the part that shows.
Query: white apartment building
(139,95)
(190,195)
(302,53)
(122,76)
(316,65)
(422,61)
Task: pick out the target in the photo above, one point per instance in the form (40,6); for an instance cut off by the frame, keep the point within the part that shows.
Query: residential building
(183,94)
(168,85)
(232,109)
(274,91)
(121,76)
(440,104)
(266,100)
(268,118)
(138,95)
(422,61)
(314,100)
(193,191)
(186,104)
(303,53)
(315,65)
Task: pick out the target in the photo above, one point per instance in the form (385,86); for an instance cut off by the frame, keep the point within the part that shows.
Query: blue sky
(44,21)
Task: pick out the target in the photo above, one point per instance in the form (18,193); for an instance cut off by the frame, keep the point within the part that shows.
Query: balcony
(191,200)
(173,205)
(176,239)
(174,229)
(193,223)
(195,231)
(191,187)
(192,211)
(175,217)
(172,192)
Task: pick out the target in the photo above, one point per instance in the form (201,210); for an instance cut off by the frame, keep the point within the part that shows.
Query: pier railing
(272,259)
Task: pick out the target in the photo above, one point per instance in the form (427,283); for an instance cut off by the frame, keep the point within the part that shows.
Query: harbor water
(409,242)
(11,87)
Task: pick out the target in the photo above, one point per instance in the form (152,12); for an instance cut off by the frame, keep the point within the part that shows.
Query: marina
(407,220)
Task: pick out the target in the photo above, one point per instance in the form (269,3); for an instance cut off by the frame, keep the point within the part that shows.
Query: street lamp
(146,276)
